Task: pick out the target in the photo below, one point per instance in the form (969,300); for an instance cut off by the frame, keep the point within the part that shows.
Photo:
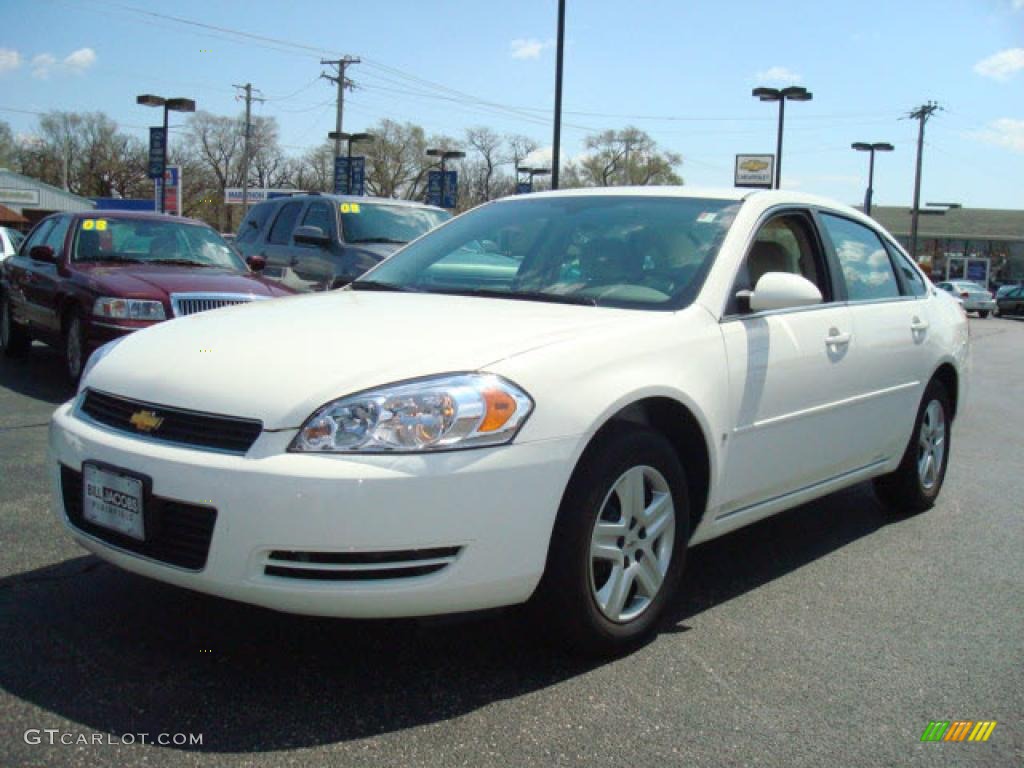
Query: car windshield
(627,251)
(382,223)
(152,241)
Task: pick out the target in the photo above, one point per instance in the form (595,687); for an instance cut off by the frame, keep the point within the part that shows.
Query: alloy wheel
(631,544)
(931,445)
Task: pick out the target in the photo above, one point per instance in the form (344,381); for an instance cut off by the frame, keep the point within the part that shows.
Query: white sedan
(546,400)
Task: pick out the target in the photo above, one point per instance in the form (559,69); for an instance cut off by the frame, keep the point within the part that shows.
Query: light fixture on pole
(350,139)
(879,146)
(169,105)
(531,172)
(781,95)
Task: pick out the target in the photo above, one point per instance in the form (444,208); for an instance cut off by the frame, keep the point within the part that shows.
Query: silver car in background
(971,295)
(10,241)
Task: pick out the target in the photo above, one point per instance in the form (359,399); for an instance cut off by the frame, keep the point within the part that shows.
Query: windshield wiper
(379,240)
(375,285)
(554,298)
(181,262)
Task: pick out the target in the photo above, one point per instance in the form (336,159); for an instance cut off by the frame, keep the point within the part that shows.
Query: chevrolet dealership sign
(755,171)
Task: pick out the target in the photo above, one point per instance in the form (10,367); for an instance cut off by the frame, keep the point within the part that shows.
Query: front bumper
(496,505)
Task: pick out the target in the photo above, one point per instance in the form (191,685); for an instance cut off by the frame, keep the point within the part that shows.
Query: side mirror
(256,263)
(43,253)
(310,235)
(781,290)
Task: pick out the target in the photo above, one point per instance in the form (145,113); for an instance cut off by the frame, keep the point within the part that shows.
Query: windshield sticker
(97,224)
(707,218)
(349,207)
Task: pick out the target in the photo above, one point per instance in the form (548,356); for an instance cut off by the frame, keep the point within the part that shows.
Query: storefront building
(951,239)
(34,199)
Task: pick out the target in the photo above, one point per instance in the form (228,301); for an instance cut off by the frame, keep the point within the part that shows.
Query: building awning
(10,218)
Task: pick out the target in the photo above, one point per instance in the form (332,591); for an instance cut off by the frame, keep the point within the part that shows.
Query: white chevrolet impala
(546,400)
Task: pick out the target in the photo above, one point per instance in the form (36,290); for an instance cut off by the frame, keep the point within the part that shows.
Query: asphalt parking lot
(830,635)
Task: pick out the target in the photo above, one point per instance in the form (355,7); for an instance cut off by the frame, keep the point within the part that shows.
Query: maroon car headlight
(128,309)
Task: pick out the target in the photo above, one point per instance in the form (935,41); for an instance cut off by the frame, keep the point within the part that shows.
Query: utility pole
(556,142)
(245,152)
(921,114)
(342,82)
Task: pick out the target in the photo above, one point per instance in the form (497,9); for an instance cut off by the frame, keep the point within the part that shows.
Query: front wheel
(916,483)
(74,348)
(14,339)
(619,544)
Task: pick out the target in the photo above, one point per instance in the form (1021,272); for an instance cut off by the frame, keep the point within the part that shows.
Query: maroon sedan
(80,280)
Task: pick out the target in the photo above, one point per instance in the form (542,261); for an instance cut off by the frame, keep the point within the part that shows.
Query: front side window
(643,252)
(785,243)
(281,232)
(254,222)
(152,241)
(38,235)
(381,223)
(863,259)
(319,215)
(55,237)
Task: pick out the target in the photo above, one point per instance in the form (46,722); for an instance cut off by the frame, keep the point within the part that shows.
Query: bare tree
(396,160)
(626,157)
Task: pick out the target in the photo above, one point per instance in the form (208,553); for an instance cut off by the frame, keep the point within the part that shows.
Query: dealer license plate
(113,500)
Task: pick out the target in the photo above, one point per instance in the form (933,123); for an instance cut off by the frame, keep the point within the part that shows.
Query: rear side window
(865,264)
(913,283)
(281,232)
(254,222)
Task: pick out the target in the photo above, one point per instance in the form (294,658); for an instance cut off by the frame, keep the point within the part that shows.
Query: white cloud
(42,65)
(9,59)
(1018,4)
(1004,132)
(778,75)
(80,60)
(539,158)
(75,63)
(528,48)
(999,66)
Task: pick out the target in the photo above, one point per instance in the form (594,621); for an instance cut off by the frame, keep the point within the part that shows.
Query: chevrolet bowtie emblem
(146,421)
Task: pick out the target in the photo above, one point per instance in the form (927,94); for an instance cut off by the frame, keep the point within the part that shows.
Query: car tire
(983,313)
(14,339)
(915,485)
(74,347)
(600,594)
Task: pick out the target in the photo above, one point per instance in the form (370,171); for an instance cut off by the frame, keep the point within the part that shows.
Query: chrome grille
(190,303)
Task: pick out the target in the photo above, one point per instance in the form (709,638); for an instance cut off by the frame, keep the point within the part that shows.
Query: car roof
(355,199)
(143,215)
(764,197)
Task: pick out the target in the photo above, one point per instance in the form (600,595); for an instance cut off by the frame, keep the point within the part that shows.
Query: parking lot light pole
(349,139)
(781,95)
(531,172)
(445,154)
(879,146)
(169,105)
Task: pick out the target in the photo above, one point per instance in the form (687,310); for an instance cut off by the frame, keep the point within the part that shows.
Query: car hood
(278,361)
(155,281)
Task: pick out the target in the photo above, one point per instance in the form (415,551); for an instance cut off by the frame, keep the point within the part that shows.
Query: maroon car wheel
(13,338)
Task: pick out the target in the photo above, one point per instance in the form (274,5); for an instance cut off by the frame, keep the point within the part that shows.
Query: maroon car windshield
(150,241)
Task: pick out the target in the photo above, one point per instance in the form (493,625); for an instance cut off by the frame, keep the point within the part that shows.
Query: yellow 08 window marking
(97,224)
(349,207)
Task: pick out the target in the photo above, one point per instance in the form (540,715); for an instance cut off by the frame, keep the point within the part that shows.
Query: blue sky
(450,64)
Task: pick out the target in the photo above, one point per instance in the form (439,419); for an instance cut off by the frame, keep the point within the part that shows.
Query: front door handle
(837,339)
(917,324)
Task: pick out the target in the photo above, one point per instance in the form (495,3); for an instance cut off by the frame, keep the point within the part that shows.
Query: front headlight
(461,411)
(97,355)
(128,309)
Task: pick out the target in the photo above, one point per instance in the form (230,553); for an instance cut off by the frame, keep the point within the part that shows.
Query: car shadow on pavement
(39,376)
(118,653)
